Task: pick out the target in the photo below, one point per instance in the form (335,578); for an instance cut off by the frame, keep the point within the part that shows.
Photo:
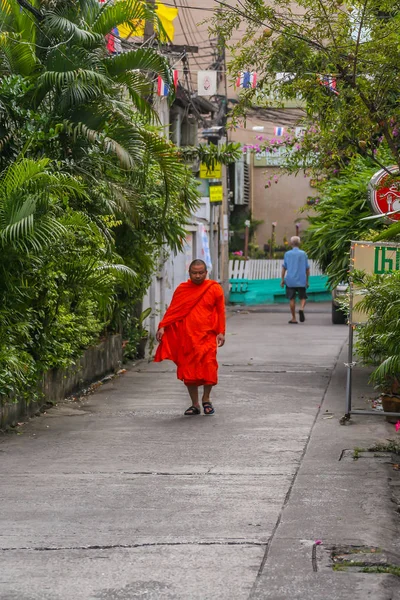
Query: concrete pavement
(119,496)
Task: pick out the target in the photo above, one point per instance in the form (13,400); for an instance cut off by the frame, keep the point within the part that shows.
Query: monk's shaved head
(197,263)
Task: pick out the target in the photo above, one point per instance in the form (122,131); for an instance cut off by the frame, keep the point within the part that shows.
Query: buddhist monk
(190,332)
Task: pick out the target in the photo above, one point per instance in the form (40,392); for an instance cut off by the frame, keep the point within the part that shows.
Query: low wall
(269,291)
(57,384)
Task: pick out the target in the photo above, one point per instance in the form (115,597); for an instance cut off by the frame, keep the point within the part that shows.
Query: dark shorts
(291,292)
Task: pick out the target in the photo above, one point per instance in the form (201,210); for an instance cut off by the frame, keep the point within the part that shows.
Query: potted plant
(387,378)
(377,342)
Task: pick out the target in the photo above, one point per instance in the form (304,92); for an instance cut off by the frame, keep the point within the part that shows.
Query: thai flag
(279,131)
(329,82)
(162,87)
(246,79)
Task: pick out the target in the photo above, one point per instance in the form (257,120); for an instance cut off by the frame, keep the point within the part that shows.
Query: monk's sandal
(193,410)
(208,408)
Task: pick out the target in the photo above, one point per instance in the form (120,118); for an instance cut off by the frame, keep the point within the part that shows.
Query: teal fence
(269,291)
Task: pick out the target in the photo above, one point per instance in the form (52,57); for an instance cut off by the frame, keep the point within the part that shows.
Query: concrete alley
(120,496)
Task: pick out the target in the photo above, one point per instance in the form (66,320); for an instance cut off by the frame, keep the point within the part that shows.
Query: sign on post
(373,258)
(384,193)
(210,173)
(216,193)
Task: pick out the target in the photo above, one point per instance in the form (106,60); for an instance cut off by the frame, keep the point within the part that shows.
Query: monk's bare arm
(159,334)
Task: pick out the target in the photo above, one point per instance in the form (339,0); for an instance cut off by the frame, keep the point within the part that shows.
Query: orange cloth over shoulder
(194,318)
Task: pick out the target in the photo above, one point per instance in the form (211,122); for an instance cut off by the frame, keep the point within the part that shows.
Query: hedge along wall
(57,384)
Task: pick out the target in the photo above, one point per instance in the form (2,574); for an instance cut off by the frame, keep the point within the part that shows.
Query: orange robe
(194,318)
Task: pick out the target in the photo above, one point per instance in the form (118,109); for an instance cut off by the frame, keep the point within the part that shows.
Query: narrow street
(122,497)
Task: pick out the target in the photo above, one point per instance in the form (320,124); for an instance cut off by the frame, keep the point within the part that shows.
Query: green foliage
(90,193)
(336,220)
(210,154)
(59,277)
(357,46)
(237,227)
(377,340)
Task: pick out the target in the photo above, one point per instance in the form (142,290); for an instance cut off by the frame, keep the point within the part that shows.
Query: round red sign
(385,199)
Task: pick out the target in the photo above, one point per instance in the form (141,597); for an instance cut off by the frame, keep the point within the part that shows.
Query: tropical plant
(377,340)
(90,191)
(59,275)
(337,219)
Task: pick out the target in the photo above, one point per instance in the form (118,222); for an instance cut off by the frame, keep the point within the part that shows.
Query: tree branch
(359,40)
(36,13)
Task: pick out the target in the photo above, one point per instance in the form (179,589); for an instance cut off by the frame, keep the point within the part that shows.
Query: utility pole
(149,25)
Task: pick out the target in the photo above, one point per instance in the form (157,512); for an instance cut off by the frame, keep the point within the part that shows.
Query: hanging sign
(383,198)
(216,194)
(206,83)
(210,173)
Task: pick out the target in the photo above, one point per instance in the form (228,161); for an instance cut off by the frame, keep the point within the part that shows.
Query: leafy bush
(337,220)
(378,340)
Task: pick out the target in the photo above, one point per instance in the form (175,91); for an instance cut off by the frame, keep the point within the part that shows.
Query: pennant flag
(329,82)
(206,83)
(279,131)
(162,87)
(246,79)
(113,42)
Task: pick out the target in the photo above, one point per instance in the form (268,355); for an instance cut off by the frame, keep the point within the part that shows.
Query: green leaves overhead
(66,60)
(339,63)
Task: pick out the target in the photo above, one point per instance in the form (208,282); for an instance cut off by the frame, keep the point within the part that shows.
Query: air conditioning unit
(240,182)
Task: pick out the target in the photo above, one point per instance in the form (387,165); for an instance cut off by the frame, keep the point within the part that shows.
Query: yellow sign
(216,193)
(373,259)
(215,173)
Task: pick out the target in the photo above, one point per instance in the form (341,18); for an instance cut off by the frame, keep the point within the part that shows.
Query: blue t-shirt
(295,262)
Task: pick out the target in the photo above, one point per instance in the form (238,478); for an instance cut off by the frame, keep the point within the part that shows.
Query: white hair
(295,240)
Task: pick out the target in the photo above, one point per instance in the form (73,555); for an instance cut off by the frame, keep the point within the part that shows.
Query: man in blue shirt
(295,274)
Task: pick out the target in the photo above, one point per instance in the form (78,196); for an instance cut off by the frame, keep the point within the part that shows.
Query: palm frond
(142,59)
(130,12)
(139,88)
(389,368)
(56,25)
(388,234)
(18,58)
(59,79)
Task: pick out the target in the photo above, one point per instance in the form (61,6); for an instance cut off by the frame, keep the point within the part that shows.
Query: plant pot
(142,347)
(391,403)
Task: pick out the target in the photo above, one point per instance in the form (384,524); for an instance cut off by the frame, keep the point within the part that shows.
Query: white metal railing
(262,268)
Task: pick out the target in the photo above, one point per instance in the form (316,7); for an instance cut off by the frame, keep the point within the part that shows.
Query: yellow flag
(166,15)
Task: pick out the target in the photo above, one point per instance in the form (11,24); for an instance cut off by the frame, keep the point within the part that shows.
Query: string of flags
(329,82)
(163,88)
(246,80)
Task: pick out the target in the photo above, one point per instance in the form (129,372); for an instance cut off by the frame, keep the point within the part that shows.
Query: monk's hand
(159,334)
(220,339)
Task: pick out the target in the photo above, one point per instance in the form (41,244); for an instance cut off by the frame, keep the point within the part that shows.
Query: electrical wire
(185,29)
(46,36)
